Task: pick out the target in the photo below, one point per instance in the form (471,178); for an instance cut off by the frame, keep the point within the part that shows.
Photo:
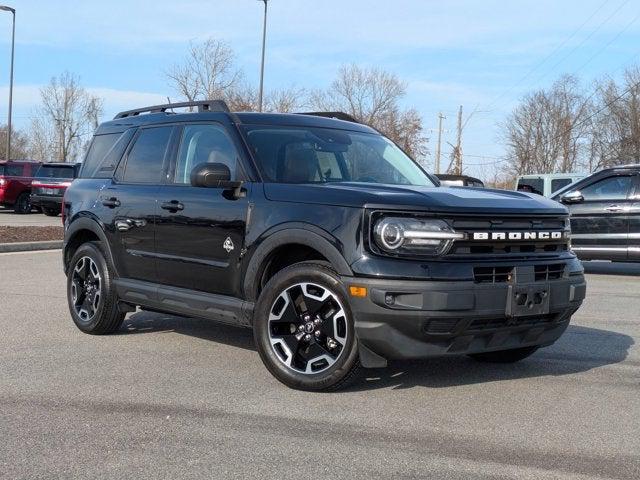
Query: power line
(587,38)
(545,59)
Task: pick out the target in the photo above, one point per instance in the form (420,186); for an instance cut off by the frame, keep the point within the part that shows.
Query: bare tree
(207,72)
(19,142)
(615,127)
(372,96)
(548,131)
(68,114)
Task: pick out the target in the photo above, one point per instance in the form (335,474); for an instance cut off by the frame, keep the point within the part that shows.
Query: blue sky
(483,55)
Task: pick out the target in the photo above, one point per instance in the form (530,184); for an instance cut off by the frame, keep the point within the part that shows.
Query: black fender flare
(285,235)
(92,225)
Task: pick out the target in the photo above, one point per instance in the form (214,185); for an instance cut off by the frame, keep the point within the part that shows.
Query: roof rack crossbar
(202,105)
(337,115)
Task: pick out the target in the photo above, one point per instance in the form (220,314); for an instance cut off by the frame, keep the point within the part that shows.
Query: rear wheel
(51,212)
(23,204)
(505,356)
(90,291)
(303,328)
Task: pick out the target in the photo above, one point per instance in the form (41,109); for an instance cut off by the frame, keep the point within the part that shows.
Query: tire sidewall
(301,273)
(23,204)
(92,251)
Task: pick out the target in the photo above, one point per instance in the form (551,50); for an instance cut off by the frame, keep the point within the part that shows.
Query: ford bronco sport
(317,232)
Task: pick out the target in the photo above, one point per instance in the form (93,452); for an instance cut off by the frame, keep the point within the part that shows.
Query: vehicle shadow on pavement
(150,322)
(580,349)
(612,268)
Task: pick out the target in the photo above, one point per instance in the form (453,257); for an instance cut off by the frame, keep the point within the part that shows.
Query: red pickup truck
(15,184)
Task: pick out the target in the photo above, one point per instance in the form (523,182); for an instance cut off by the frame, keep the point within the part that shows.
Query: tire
(304,331)
(51,212)
(90,276)
(23,204)
(505,356)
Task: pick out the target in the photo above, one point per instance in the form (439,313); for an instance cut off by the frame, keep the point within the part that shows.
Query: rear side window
(558,183)
(146,157)
(12,170)
(104,154)
(55,171)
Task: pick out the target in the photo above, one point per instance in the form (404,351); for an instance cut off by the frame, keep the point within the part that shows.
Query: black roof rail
(203,106)
(337,115)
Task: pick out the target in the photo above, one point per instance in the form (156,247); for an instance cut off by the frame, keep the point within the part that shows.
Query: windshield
(49,171)
(322,155)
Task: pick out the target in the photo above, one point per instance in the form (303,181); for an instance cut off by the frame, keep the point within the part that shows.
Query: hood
(432,199)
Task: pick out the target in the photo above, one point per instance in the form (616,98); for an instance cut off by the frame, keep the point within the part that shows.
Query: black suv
(605,214)
(317,232)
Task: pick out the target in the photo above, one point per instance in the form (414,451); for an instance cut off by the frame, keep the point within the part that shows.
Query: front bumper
(402,319)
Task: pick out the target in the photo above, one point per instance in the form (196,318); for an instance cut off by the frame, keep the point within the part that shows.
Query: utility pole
(13,42)
(440,118)
(458,148)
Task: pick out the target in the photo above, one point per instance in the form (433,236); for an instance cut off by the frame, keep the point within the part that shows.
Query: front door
(600,223)
(200,231)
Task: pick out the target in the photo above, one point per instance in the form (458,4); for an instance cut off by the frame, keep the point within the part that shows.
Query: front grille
(552,271)
(482,248)
(492,274)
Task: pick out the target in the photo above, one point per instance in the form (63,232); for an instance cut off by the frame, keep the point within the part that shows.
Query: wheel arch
(291,240)
(84,230)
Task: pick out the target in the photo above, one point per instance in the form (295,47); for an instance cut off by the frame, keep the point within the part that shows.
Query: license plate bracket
(527,300)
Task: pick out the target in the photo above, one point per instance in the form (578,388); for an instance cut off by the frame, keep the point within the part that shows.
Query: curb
(30,246)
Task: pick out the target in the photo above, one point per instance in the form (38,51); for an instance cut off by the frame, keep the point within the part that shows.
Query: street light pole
(264,41)
(13,38)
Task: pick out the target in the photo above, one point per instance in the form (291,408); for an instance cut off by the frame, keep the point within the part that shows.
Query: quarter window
(104,154)
(146,157)
(611,188)
(204,143)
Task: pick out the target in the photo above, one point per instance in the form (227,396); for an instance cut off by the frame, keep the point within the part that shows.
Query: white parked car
(546,183)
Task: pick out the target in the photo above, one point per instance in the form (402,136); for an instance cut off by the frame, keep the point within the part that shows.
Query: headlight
(414,235)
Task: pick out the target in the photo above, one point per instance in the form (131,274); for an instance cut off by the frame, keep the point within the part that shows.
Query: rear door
(129,202)
(600,223)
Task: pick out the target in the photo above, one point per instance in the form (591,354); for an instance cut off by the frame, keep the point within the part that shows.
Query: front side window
(204,143)
(610,188)
(323,155)
(145,159)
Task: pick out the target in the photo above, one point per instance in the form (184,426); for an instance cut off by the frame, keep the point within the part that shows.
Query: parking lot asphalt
(170,397)
(10,219)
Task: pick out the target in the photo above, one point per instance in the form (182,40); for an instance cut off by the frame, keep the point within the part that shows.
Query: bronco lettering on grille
(516,236)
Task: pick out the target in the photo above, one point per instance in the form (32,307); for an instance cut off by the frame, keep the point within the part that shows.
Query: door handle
(172,206)
(111,202)
(614,208)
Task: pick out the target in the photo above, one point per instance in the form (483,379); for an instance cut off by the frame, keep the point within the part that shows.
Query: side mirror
(572,197)
(210,175)
(216,175)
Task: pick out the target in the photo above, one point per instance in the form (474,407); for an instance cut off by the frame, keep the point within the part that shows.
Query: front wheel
(90,291)
(505,356)
(304,330)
